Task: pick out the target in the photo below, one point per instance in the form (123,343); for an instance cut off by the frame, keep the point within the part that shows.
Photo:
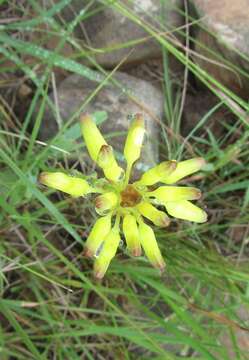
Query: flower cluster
(125,205)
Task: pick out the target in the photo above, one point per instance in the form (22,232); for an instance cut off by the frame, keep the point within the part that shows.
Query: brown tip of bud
(85,117)
(136,251)
(98,202)
(197,194)
(161,266)
(88,253)
(105,149)
(138,116)
(42,177)
(173,164)
(165,221)
(139,119)
(99,275)
(202,161)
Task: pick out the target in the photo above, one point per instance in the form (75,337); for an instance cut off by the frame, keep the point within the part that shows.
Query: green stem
(139,218)
(97,191)
(128,173)
(117,222)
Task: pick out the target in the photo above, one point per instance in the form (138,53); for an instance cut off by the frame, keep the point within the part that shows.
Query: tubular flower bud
(159,218)
(68,184)
(134,140)
(175,193)
(183,169)
(119,200)
(186,210)
(130,230)
(96,237)
(149,244)
(105,203)
(92,136)
(108,251)
(158,173)
(107,162)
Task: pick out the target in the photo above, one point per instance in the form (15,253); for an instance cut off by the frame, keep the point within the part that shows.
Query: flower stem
(117,222)
(128,173)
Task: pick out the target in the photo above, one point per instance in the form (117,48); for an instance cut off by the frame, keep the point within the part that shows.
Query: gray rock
(227,35)
(196,108)
(106,28)
(141,97)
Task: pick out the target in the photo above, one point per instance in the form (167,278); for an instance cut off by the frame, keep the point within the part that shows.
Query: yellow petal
(105,203)
(71,185)
(149,244)
(99,231)
(158,173)
(175,193)
(186,210)
(92,136)
(107,162)
(131,234)
(107,253)
(134,140)
(183,169)
(159,218)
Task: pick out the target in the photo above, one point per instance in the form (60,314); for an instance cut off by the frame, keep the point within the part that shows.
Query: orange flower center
(130,197)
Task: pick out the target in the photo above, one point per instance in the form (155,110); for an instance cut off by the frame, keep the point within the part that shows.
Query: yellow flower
(130,230)
(119,200)
(68,184)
